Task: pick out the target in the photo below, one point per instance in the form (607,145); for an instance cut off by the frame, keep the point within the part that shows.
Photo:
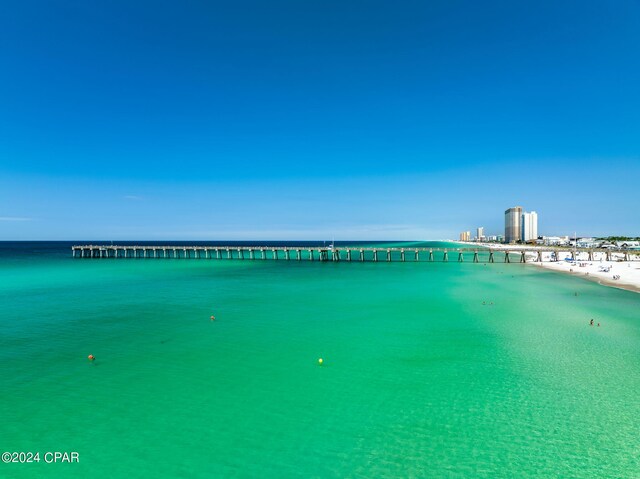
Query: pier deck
(353,253)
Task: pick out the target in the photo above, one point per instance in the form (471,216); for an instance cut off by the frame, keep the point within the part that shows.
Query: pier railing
(354,253)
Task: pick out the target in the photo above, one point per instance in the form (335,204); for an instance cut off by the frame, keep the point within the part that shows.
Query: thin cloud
(14,218)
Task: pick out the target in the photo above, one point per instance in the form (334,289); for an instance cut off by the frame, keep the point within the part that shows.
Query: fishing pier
(352,254)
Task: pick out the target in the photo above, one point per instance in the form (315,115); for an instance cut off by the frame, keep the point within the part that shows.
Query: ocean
(419,377)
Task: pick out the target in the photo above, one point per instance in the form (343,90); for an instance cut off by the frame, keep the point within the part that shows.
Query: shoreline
(597,270)
(628,282)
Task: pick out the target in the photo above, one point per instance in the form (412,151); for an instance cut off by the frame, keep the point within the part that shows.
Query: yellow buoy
(320,361)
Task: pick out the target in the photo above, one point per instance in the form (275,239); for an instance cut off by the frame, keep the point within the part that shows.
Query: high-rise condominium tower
(529,226)
(480,233)
(513,224)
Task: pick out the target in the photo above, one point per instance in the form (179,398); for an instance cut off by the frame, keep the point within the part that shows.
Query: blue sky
(317,119)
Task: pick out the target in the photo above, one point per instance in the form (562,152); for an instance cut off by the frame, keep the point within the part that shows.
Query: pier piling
(342,253)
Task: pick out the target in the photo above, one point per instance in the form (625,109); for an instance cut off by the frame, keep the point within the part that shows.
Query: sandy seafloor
(455,370)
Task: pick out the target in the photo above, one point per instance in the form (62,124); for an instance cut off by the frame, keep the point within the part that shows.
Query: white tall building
(529,226)
(480,233)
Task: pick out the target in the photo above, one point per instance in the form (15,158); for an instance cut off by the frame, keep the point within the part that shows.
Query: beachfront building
(587,243)
(480,236)
(555,240)
(513,224)
(628,244)
(493,238)
(529,226)
(465,236)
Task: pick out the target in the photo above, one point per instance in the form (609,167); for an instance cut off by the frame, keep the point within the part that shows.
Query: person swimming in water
(591,323)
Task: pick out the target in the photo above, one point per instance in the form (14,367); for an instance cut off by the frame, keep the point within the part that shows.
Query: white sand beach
(616,272)
(619,274)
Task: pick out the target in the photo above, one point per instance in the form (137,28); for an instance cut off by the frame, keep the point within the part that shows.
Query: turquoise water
(420,379)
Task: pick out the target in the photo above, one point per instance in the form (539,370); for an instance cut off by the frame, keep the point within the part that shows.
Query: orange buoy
(91,357)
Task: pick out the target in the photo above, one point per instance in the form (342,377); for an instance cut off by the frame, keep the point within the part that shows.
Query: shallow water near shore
(419,378)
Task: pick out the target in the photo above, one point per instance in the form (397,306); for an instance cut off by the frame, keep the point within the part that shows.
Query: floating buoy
(91,357)
(213,318)
(320,361)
